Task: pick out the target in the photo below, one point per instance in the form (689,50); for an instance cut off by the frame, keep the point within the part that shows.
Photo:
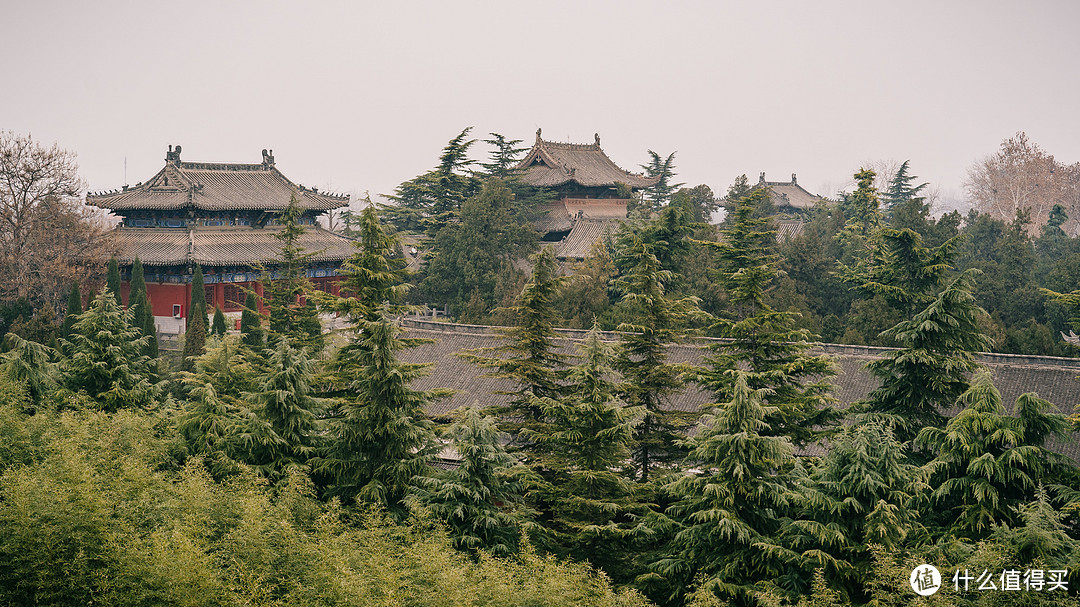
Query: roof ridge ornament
(173,157)
(268,158)
(597,136)
(538,140)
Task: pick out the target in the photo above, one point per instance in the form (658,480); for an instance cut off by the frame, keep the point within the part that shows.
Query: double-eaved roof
(550,164)
(213,186)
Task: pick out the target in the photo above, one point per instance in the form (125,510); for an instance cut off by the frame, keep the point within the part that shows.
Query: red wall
(164,295)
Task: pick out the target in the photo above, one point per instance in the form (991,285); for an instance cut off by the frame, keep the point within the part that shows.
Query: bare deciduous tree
(1021,177)
(48,239)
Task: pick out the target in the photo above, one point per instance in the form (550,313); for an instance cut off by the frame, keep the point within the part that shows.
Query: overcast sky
(357,96)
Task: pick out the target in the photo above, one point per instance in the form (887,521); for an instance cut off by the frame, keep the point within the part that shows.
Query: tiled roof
(215,187)
(789,193)
(788,229)
(586,232)
(222,246)
(1053,379)
(550,164)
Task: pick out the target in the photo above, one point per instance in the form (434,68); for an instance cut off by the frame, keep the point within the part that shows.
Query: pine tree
(105,358)
(530,357)
(931,370)
(865,493)
(112,279)
(198,295)
(641,355)
(735,507)
(195,337)
(504,157)
(593,508)
(657,196)
(284,435)
(987,463)
(430,201)
(218,326)
(375,274)
(30,365)
(142,312)
(378,437)
(766,343)
(290,312)
(251,322)
(479,500)
(901,190)
(74,308)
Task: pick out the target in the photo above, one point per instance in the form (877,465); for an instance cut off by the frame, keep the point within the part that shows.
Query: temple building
(791,202)
(591,192)
(789,196)
(223,218)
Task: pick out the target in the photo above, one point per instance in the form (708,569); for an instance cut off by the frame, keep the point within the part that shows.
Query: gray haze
(357,96)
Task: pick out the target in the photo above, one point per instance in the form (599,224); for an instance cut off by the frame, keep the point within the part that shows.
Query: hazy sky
(359,96)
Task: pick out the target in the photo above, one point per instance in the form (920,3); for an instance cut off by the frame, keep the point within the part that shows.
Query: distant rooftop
(550,164)
(789,193)
(214,186)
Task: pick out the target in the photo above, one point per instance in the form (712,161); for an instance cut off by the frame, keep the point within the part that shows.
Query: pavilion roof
(789,193)
(550,164)
(223,246)
(214,186)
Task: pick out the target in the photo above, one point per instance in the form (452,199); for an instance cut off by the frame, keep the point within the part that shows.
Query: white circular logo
(925,580)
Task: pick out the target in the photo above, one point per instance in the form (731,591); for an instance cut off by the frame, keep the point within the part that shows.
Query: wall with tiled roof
(1053,379)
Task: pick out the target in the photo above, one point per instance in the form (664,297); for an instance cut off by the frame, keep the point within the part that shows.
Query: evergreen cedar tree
(930,371)
(379,438)
(529,357)
(218,327)
(988,463)
(106,358)
(292,312)
(283,438)
(657,196)
(733,512)
(251,330)
(590,508)
(74,309)
(479,500)
(641,354)
(374,275)
(768,343)
(429,201)
(112,279)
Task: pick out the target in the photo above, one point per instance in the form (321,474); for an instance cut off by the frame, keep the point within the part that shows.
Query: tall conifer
(379,438)
(641,356)
(106,357)
(931,370)
(112,279)
(766,343)
(74,309)
(251,330)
